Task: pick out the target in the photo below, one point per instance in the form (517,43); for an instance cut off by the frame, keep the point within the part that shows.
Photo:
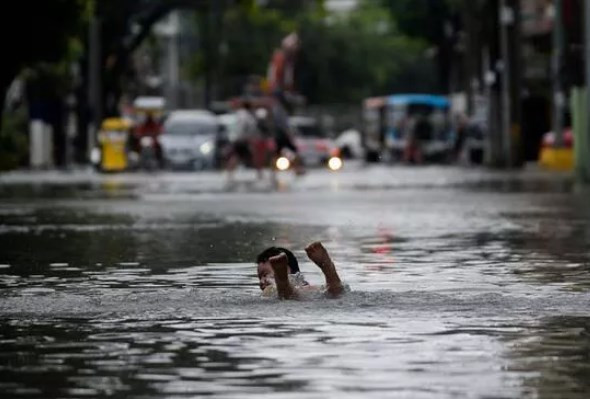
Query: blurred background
(151,149)
(509,73)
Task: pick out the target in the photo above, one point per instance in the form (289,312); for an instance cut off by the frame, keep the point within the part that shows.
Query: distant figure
(281,71)
(242,148)
(283,135)
(260,147)
(461,128)
(151,128)
(420,131)
(278,273)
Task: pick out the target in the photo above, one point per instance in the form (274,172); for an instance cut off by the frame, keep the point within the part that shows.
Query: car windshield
(190,128)
(309,130)
(420,109)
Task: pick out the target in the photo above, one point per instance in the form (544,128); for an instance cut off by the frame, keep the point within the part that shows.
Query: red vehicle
(146,143)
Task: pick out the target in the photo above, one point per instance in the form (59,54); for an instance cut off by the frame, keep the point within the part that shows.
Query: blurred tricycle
(111,154)
(145,147)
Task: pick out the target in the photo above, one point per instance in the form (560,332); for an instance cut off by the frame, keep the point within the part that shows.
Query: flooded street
(465,283)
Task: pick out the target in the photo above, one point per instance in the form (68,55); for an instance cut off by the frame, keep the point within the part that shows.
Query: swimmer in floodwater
(278,271)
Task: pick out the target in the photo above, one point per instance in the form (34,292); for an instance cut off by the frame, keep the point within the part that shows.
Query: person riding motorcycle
(146,137)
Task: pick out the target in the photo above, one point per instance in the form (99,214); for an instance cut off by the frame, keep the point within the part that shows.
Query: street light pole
(558,95)
(506,18)
(94,82)
(585,161)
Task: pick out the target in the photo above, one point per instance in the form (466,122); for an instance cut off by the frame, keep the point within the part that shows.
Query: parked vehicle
(411,127)
(189,139)
(111,154)
(557,158)
(313,144)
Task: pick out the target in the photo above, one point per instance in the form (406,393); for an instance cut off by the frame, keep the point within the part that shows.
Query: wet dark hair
(274,251)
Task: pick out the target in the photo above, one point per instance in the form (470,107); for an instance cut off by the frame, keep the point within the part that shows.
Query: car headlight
(206,148)
(335,163)
(146,141)
(283,163)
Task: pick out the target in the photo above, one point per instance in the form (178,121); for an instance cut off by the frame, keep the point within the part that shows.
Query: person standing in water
(242,149)
(283,133)
(278,271)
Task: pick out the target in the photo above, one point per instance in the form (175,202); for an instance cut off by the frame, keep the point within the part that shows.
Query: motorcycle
(145,154)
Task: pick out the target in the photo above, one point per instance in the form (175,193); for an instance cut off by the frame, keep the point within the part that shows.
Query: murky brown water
(458,290)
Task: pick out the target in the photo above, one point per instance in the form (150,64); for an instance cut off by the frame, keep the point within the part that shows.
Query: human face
(266,275)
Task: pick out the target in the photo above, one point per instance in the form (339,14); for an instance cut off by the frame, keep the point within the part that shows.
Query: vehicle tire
(148,160)
(372,156)
(476,156)
(345,152)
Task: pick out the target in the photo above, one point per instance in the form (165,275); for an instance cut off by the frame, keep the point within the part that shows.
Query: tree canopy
(378,48)
(348,57)
(36,31)
(343,58)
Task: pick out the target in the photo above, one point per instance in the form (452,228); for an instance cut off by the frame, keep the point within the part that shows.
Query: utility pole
(208,48)
(212,30)
(169,31)
(515,48)
(94,79)
(471,54)
(506,14)
(585,168)
(558,95)
(492,75)
(510,67)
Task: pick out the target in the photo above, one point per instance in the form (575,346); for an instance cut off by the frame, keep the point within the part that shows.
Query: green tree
(36,31)
(420,18)
(347,58)
(248,40)
(13,143)
(343,58)
(435,21)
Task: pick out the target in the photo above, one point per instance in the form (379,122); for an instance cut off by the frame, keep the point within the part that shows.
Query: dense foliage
(381,47)
(344,57)
(348,57)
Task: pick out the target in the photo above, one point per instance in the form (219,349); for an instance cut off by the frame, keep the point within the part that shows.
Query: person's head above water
(265,272)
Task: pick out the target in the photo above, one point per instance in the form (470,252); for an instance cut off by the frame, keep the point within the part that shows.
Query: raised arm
(280,266)
(319,255)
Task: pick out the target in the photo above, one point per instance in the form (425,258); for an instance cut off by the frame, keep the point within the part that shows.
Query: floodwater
(470,286)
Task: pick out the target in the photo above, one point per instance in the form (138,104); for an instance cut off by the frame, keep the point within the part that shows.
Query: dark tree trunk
(5,81)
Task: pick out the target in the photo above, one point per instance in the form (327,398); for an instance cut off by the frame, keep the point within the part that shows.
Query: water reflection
(553,354)
(455,294)
(32,241)
(70,358)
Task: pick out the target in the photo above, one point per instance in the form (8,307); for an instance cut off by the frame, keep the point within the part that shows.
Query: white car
(313,145)
(188,139)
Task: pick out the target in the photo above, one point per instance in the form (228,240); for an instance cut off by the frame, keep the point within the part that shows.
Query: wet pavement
(465,283)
